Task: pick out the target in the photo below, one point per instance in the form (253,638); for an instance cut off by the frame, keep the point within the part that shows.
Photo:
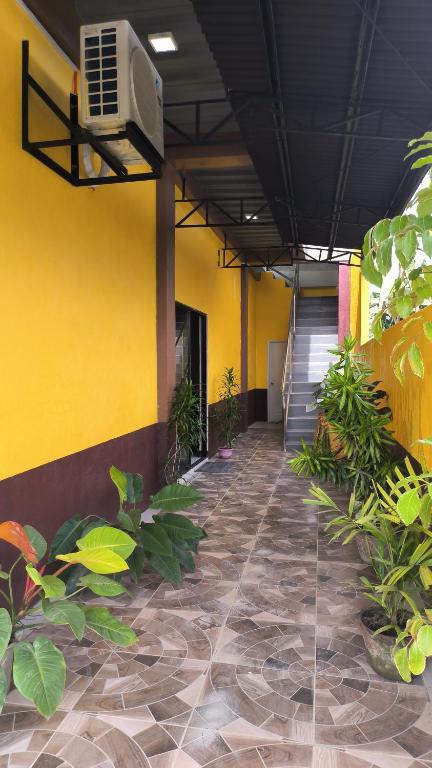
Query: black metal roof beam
(269,32)
(361,65)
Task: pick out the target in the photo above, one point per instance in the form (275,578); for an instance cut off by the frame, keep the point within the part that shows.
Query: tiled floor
(255,661)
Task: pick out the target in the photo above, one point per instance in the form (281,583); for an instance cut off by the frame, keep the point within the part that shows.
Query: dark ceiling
(325,94)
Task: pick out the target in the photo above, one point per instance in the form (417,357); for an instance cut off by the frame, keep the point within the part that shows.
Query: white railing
(288,367)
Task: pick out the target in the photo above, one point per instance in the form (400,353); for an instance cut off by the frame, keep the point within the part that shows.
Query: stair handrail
(288,366)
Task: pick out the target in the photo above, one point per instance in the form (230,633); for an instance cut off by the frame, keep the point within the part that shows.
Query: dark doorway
(191,362)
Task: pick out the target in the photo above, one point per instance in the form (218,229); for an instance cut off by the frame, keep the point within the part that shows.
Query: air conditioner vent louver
(101,72)
(120,85)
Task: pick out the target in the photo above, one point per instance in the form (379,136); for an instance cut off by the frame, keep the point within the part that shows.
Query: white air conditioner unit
(120,84)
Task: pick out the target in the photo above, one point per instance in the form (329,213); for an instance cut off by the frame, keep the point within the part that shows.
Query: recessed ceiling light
(251,216)
(163,42)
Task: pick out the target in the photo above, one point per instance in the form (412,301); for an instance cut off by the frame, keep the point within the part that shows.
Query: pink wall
(344,302)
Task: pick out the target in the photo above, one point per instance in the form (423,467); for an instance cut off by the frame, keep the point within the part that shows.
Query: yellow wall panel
(253,287)
(411,402)
(273,303)
(77,288)
(216,292)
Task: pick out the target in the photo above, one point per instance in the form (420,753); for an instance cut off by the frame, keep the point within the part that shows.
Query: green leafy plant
(228,411)
(167,544)
(396,518)
(185,425)
(357,420)
(37,665)
(404,238)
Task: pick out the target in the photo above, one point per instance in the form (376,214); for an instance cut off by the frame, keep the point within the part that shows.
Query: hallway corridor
(255,661)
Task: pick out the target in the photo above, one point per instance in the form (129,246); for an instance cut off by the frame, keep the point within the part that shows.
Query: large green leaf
(107,537)
(427,330)
(39,543)
(370,271)
(167,567)
(154,538)
(397,224)
(404,305)
(102,585)
(64,612)
(427,242)
(66,536)
(408,506)
(416,659)
(384,256)
(416,360)
(5,631)
(409,245)
(424,639)
(178,526)
(3,687)
(101,621)
(100,560)
(39,674)
(130,520)
(381,230)
(420,163)
(400,657)
(120,481)
(136,563)
(52,586)
(184,555)
(134,487)
(175,497)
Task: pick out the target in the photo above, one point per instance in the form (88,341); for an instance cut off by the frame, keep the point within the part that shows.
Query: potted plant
(398,521)
(29,658)
(228,412)
(185,425)
(167,544)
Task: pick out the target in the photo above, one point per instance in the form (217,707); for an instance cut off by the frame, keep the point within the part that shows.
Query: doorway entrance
(276,361)
(191,363)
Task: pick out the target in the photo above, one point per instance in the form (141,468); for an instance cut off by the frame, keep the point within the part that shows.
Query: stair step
(295,423)
(300,399)
(304,326)
(304,387)
(299,410)
(312,356)
(316,336)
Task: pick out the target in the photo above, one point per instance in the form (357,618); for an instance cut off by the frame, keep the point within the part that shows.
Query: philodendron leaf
(120,481)
(39,543)
(416,360)
(98,560)
(5,631)
(416,659)
(102,585)
(175,497)
(370,271)
(107,537)
(66,536)
(63,612)
(183,553)
(39,674)
(134,487)
(427,330)
(52,586)
(400,657)
(154,538)
(3,687)
(408,506)
(101,621)
(168,567)
(178,526)
(424,639)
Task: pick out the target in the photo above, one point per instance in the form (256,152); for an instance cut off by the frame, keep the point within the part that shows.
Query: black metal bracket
(247,209)
(79,136)
(284,256)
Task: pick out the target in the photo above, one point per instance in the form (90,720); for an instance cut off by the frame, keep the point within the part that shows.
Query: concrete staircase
(316,330)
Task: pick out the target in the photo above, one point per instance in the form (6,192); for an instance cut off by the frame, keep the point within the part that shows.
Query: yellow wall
(272,308)
(411,402)
(77,287)
(324,291)
(215,292)
(253,287)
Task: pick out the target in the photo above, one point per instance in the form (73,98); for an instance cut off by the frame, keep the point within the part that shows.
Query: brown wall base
(253,406)
(80,484)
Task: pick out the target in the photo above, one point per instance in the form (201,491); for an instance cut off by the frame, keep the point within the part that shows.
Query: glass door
(191,363)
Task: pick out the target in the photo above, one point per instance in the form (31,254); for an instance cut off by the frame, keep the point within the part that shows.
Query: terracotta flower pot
(379,650)
(225,453)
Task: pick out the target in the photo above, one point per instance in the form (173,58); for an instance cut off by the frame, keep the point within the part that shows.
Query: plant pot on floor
(379,647)
(225,453)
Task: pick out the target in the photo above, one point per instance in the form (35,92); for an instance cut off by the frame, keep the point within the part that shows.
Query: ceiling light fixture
(163,42)
(251,216)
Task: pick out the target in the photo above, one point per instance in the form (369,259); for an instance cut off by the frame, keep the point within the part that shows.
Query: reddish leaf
(15,534)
